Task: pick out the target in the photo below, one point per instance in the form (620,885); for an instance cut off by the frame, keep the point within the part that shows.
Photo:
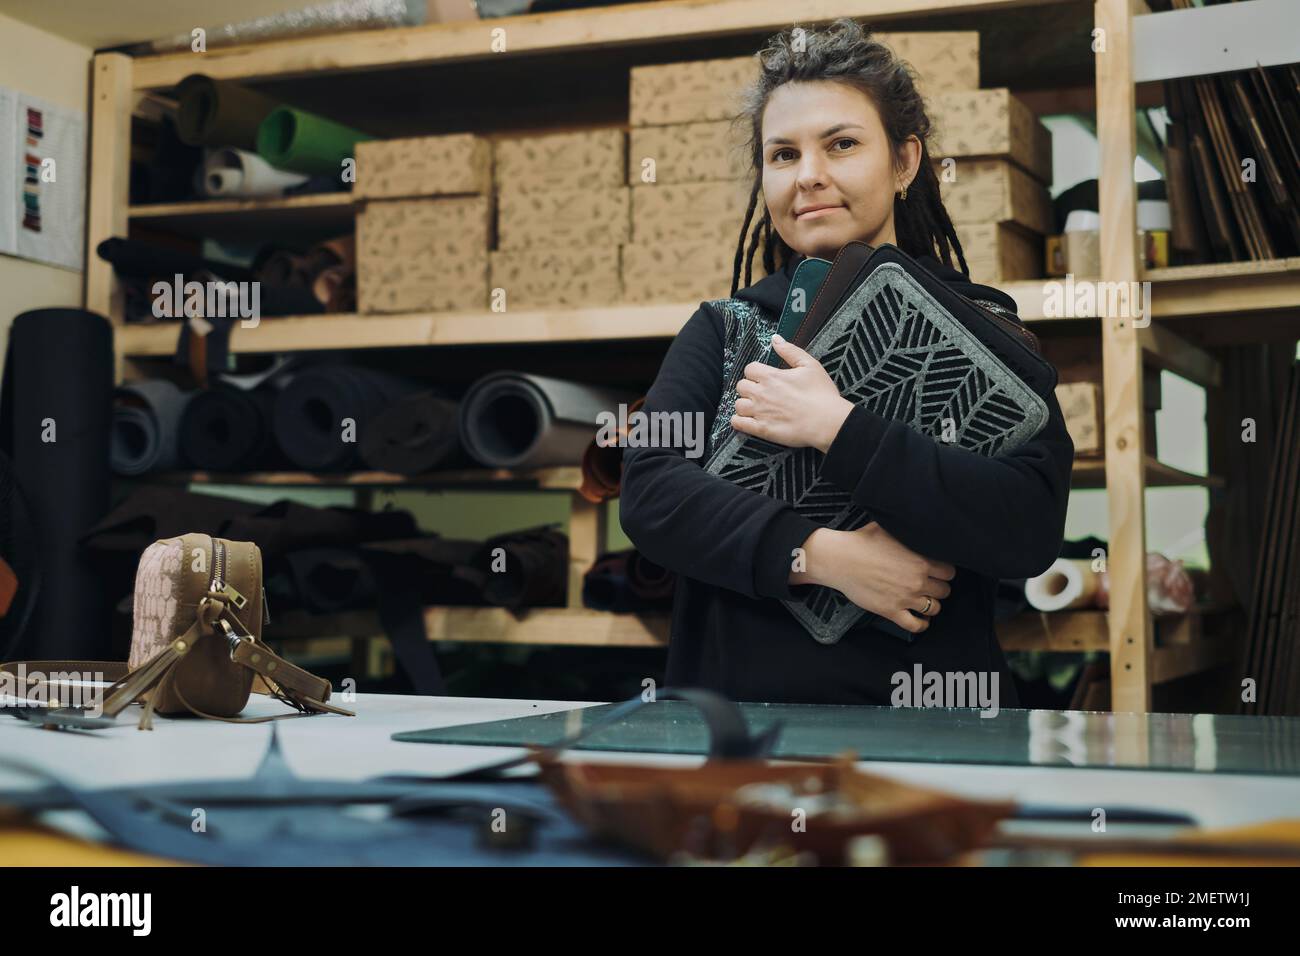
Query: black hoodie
(998,517)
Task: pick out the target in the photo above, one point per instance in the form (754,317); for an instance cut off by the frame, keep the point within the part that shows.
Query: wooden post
(109,184)
(586,541)
(1129,620)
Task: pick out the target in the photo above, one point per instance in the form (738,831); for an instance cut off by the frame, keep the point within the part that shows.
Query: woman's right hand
(876,572)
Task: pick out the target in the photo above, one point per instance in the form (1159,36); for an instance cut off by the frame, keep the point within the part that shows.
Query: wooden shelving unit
(1186,303)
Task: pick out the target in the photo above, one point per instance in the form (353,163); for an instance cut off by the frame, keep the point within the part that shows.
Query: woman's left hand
(797,406)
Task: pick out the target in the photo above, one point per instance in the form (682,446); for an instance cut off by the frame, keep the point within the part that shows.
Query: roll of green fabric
(306,143)
(220,113)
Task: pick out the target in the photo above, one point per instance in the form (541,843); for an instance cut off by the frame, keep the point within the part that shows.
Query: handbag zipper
(217,582)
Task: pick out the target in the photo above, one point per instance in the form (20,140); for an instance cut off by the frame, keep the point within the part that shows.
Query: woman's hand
(878,574)
(797,406)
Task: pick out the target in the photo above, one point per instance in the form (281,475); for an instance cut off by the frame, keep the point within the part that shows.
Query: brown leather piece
(602,466)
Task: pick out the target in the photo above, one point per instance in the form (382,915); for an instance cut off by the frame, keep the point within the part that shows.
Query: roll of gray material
(516,420)
(311,412)
(146,427)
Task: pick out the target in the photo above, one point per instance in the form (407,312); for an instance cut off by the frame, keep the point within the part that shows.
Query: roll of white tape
(1066,585)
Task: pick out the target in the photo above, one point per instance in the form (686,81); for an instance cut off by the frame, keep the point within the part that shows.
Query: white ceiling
(106,23)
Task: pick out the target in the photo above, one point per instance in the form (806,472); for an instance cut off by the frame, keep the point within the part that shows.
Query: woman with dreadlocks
(837,134)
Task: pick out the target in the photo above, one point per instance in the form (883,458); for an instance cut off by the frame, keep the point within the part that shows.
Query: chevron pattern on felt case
(892,348)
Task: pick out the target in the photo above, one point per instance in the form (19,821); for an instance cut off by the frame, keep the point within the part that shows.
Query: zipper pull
(266,609)
(233,597)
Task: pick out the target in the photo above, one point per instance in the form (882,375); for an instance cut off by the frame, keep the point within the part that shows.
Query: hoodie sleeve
(1001,516)
(692,522)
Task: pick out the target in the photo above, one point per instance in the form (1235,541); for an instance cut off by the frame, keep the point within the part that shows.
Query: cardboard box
(417,255)
(573,217)
(586,159)
(995,190)
(556,276)
(1000,252)
(703,90)
(694,271)
(1082,253)
(687,153)
(423,166)
(1084,416)
(944,60)
(674,212)
(698,91)
(991,124)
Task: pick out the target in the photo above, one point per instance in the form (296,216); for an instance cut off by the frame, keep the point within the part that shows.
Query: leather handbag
(896,339)
(196,642)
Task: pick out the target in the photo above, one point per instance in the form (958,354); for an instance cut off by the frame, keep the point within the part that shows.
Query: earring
(903,194)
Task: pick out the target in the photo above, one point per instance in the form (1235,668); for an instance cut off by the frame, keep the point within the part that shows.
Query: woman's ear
(910,156)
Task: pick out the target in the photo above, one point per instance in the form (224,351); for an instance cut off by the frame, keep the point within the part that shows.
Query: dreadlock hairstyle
(846,53)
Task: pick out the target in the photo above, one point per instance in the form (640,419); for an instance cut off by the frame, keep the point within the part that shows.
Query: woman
(837,137)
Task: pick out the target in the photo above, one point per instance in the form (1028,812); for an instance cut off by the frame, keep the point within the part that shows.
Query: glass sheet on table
(1197,742)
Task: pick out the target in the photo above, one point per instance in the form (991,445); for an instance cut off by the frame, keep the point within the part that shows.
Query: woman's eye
(776,157)
(846,139)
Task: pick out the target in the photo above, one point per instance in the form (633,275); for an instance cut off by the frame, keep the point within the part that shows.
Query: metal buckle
(234,639)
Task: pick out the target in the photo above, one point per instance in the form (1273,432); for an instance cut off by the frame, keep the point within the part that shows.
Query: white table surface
(353,748)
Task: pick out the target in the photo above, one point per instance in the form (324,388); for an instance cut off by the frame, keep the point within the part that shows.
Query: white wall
(40,64)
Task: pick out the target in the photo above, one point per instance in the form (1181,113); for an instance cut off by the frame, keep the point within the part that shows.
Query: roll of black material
(228,429)
(285,525)
(414,435)
(650,582)
(146,260)
(146,427)
(626,581)
(219,112)
(55,414)
(322,414)
(515,420)
(605,587)
(531,569)
(328,580)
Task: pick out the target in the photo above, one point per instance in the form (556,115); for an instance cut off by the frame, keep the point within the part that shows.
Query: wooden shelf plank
(1167,349)
(1180,649)
(558,479)
(548,33)
(347,331)
(1091,473)
(1225,288)
(625,320)
(1062,631)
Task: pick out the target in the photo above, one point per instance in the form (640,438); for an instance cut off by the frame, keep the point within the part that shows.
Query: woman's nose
(812,170)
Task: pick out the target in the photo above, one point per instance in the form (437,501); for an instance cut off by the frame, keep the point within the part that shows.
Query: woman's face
(829,174)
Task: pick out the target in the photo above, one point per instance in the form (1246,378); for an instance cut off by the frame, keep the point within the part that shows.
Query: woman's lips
(818,213)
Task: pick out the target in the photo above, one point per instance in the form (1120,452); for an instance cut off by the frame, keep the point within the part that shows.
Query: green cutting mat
(1199,742)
